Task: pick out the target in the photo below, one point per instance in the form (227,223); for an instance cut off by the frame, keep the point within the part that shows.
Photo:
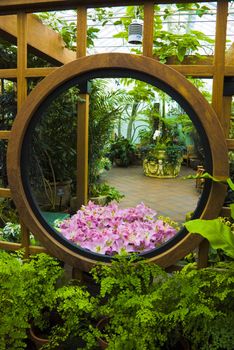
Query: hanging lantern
(135,32)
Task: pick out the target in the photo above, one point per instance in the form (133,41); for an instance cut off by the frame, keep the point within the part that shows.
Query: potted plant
(122,152)
(163,161)
(143,307)
(27,287)
(102,194)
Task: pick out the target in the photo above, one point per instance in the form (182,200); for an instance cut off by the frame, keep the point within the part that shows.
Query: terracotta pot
(101,324)
(39,342)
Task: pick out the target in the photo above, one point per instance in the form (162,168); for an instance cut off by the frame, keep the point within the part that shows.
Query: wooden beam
(10,246)
(83,116)
(52,48)
(37,249)
(203,252)
(82,150)
(5,193)
(21,58)
(229,57)
(13,6)
(227,107)
(229,71)
(148,33)
(25,238)
(5,134)
(226,212)
(38,72)
(22,94)
(81,43)
(219,58)
(194,70)
(16,246)
(8,73)
(230,144)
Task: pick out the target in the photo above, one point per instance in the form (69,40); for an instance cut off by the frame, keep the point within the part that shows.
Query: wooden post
(227,106)
(82,150)
(22,94)
(21,58)
(219,58)
(148,34)
(217,93)
(82,115)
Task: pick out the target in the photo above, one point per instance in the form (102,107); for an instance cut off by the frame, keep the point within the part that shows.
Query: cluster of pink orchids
(110,230)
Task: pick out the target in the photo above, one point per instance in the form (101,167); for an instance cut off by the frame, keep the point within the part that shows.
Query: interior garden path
(169,197)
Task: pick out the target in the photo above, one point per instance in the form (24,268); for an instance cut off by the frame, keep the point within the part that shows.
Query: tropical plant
(122,151)
(219,231)
(177,40)
(106,106)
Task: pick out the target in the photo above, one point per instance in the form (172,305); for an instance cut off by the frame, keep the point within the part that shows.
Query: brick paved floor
(169,197)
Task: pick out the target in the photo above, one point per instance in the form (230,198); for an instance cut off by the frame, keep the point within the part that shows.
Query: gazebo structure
(18,25)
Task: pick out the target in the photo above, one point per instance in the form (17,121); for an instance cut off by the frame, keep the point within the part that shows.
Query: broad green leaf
(218,234)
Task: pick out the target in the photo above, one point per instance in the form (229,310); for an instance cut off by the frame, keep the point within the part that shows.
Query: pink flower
(110,230)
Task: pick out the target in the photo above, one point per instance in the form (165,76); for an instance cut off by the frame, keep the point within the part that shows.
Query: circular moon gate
(103,66)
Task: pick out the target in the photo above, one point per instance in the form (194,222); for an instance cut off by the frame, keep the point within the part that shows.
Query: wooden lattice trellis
(218,69)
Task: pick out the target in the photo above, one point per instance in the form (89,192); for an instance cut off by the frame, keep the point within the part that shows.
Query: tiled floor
(169,197)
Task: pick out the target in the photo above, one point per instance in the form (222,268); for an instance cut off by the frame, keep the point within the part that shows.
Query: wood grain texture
(81,42)
(82,150)
(21,58)
(13,6)
(199,71)
(203,252)
(16,246)
(219,58)
(5,134)
(10,246)
(148,30)
(39,72)
(5,193)
(229,71)
(154,69)
(43,41)
(225,122)
(21,96)
(230,144)
(8,73)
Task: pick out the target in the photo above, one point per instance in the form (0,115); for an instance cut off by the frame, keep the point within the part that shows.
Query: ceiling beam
(43,41)
(13,6)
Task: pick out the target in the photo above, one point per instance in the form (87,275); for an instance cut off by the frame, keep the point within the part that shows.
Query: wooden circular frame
(150,67)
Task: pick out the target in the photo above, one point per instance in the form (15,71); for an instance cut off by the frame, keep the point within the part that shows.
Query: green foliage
(26,288)
(122,151)
(8,212)
(54,141)
(219,234)
(67,29)
(74,305)
(146,308)
(10,232)
(103,189)
(105,108)
(171,42)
